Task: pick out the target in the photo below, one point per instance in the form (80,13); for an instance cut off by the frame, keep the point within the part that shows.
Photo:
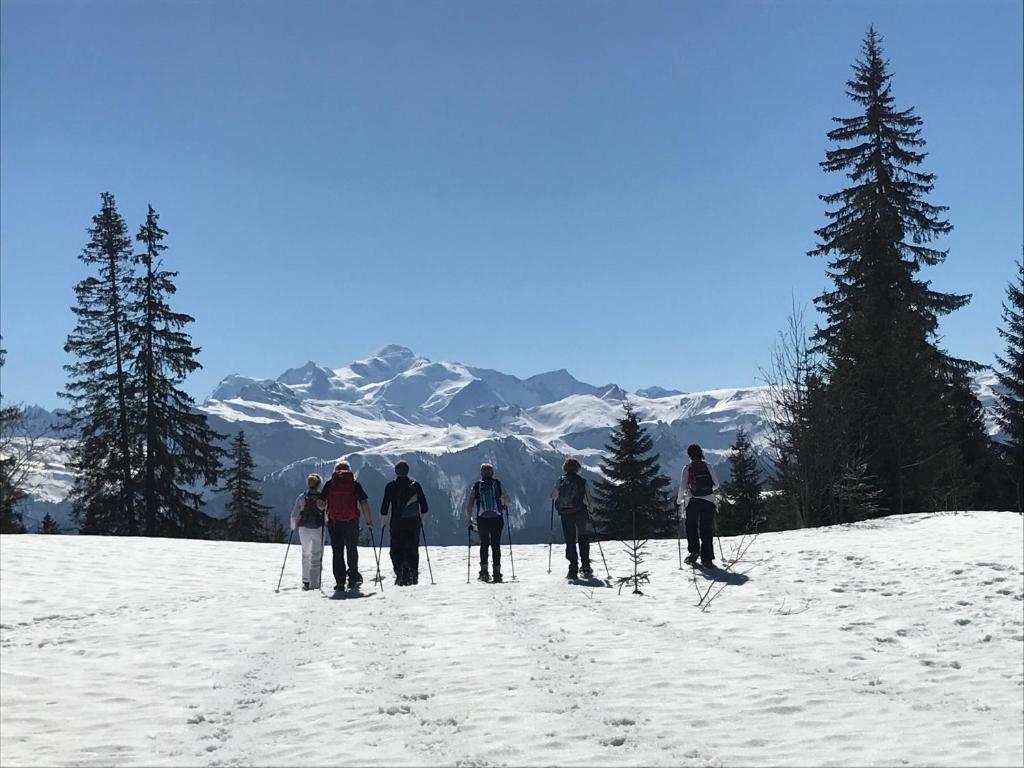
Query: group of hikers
(336,506)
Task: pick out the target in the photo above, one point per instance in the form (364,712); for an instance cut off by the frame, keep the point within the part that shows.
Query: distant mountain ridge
(445,419)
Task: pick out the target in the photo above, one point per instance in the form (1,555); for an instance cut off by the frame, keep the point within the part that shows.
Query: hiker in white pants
(309,519)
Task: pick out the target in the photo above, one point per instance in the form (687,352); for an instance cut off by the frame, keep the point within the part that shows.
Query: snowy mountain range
(445,419)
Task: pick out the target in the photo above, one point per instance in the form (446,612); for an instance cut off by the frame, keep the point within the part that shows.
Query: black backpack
(311,516)
(571,490)
(700,483)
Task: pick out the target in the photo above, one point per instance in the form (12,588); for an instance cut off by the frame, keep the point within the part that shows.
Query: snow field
(898,641)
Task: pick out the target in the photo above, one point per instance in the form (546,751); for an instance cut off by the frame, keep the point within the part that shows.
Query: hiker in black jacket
(404,497)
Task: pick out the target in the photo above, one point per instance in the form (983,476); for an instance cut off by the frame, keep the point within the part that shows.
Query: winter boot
(355,581)
(496,578)
(574,572)
(483,575)
(587,572)
(305,586)
(691,560)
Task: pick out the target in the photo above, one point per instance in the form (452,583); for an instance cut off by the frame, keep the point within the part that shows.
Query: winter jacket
(300,504)
(684,495)
(397,495)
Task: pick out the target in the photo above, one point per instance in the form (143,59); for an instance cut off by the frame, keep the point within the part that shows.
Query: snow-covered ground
(898,641)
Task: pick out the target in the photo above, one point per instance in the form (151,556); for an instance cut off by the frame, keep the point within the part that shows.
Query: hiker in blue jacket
(488,499)
(698,495)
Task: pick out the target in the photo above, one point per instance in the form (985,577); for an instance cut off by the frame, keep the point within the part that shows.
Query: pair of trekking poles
(377,553)
(469,546)
(679,537)
(551,539)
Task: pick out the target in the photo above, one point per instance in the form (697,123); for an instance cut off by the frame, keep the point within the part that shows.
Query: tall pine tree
(887,379)
(102,403)
(49,525)
(1010,405)
(246,518)
(744,512)
(11,476)
(633,484)
(180,449)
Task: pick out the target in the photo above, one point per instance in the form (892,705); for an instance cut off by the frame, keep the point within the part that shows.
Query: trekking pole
(601,550)
(290,537)
(323,540)
(378,579)
(551,533)
(469,549)
(423,532)
(511,559)
(679,535)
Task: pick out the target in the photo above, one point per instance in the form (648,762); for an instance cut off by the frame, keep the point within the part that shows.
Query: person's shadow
(714,573)
(350,595)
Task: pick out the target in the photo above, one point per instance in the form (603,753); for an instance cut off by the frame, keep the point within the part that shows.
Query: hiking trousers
(576,530)
(490,529)
(312,543)
(345,540)
(405,547)
(700,529)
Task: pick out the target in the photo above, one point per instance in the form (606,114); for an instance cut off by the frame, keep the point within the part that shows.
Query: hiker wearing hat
(308,519)
(574,504)
(344,498)
(697,494)
(404,497)
(487,497)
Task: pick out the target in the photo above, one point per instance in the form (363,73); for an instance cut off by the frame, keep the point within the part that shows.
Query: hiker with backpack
(697,494)
(487,497)
(574,505)
(343,498)
(308,518)
(404,497)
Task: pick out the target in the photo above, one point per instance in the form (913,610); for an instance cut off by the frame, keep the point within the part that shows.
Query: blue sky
(624,190)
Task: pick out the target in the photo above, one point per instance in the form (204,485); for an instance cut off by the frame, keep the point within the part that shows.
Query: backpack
(571,489)
(699,480)
(341,499)
(487,493)
(311,516)
(411,507)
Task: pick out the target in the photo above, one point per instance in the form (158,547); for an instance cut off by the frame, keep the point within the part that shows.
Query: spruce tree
(1010,398)
(743,489)
(633,484)
(49,525)
(180,450)
(246,518)
(887,379)
(276,534)
(102,402)
(11,468)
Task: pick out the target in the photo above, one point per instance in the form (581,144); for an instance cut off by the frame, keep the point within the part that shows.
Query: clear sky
(626,190)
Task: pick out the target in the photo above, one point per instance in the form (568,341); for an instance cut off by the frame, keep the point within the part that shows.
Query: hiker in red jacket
(343,498)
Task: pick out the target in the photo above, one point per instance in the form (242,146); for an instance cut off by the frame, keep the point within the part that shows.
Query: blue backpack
(487,493)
